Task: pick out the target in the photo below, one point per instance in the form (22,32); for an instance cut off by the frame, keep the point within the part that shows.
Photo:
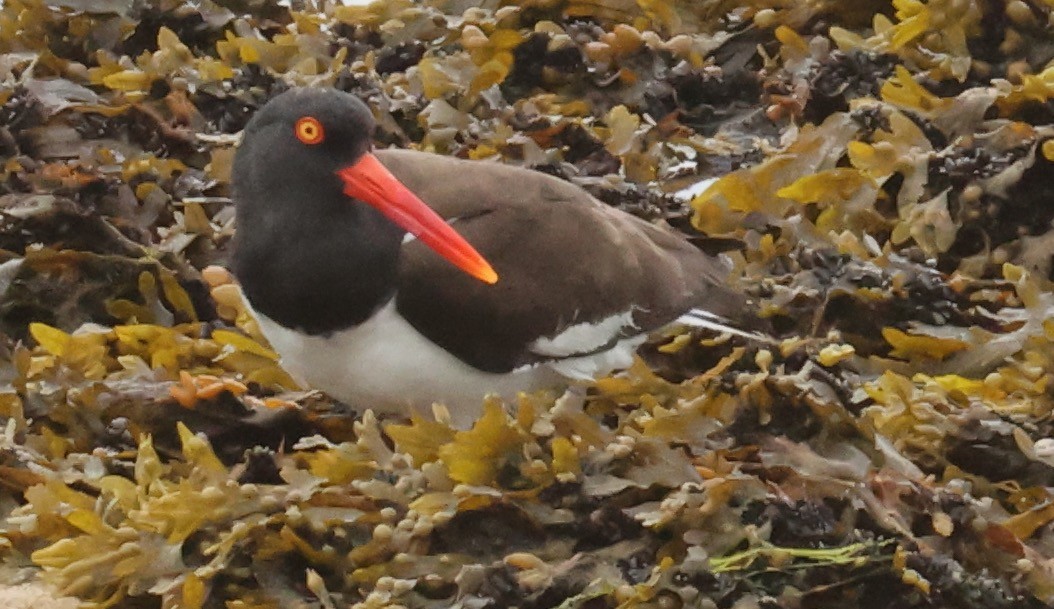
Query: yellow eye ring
(309,130)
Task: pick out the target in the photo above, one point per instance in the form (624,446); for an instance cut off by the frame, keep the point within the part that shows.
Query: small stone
(680,45)
(971,194)
(599,52)
(1020,13)
(765,18)
(382,532)
(473,38)
(215,275)
(627,38)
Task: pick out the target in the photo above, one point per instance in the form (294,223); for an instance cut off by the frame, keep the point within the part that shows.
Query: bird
(396,279)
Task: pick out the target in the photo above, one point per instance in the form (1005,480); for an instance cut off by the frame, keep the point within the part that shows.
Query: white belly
(387,365)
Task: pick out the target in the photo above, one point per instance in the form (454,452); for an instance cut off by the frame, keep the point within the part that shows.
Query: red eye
(309,130)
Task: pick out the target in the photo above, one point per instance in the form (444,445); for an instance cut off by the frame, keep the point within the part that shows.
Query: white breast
(386,364)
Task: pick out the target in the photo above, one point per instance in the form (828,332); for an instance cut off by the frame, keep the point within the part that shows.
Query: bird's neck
(319,267)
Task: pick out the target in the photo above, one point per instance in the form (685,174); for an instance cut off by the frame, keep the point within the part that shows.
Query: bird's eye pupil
(309,130)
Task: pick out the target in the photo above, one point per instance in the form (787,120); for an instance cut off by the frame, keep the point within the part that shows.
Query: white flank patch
(387,365)
(583,337)
(589,367)
(701,318)
(694,190)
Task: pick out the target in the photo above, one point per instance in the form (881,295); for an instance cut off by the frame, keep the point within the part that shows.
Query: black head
(299,140)
(325,127)
(299,237)
(318,214)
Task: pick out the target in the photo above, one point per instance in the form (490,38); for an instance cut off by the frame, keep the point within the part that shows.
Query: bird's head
(319,139)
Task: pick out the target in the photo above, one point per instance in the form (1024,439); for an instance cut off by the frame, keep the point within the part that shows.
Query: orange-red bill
(370,182)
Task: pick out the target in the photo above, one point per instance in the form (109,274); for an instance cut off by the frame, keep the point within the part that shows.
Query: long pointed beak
(369,181)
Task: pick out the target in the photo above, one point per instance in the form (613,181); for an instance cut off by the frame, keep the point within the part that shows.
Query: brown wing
(563,258)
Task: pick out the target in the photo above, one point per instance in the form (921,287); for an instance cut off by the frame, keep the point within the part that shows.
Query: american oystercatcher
(350,261)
